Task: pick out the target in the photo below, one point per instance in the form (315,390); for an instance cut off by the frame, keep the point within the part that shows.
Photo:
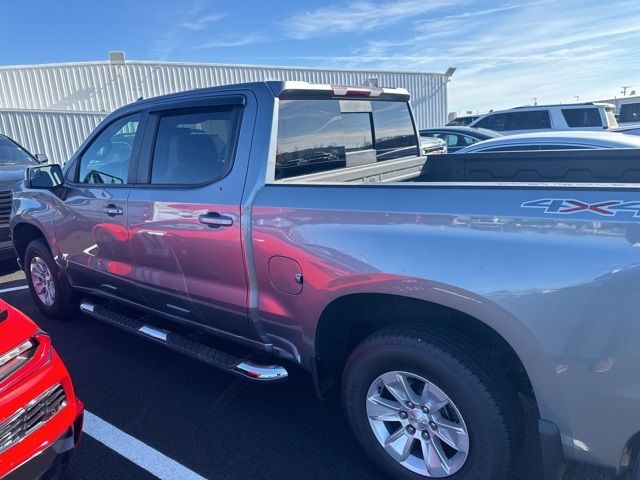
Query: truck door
(91,231)
(184,216)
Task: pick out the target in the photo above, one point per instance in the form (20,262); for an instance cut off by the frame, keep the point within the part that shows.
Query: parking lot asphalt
(214,424)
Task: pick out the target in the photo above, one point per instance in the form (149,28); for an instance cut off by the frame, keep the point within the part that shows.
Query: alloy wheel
(417,424)
(42,281)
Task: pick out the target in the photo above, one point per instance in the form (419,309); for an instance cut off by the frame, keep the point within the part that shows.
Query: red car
(40,416)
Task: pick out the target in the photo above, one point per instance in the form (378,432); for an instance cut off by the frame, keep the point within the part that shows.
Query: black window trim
(71,177)
(145,164)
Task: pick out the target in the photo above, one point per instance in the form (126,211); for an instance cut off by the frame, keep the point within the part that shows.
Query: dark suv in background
(13,161)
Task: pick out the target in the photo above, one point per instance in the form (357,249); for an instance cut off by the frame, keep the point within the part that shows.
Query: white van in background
(539,118)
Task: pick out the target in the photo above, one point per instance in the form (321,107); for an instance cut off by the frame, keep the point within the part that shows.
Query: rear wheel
(50,289)
(424,406)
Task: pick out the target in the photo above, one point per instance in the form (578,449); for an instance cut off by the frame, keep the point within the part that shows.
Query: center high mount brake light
(356,92)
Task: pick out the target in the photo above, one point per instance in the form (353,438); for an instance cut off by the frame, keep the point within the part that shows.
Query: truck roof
(288,89)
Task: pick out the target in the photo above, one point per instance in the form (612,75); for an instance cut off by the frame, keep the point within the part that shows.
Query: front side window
(582,117)
(493,122)
(195,147)
(12,154)
(107,159)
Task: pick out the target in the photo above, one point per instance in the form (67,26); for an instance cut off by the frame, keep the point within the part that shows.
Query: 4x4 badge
(566,206)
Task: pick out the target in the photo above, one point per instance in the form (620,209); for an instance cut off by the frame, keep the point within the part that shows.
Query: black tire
(484,396)
(65,298)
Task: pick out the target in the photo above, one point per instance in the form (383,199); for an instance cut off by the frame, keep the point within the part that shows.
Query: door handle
(215,220)
(112,210)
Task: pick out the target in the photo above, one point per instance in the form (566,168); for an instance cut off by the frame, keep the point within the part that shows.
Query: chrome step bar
(242,367)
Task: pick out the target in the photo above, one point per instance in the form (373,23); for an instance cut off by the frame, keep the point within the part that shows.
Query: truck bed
(613,166)
(558,166)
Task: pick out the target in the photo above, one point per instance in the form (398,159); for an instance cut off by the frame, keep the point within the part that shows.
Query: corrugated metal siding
(100,86)
(52,108)
(57,134)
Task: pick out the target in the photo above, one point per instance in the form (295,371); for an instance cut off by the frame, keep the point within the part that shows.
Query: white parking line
(135,451)
(13,289)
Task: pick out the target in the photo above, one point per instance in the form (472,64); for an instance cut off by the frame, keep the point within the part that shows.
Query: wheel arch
(349,319)
(24,233)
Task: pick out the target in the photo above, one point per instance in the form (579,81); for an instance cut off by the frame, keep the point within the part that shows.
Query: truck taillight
(358,92)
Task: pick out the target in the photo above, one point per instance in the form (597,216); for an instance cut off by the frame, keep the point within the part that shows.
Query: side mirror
(42,158)
(45,177)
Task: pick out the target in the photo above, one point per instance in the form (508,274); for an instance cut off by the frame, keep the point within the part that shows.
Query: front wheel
(50,290)
(424,405)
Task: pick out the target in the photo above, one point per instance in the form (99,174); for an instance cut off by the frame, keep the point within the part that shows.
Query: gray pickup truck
(253,226)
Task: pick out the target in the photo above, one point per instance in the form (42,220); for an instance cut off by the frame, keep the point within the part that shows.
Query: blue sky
(506,52)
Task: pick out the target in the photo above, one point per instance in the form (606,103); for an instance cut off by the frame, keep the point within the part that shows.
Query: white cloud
(358,16)
(201,22)
(233,42)
(552,50)
(180,25)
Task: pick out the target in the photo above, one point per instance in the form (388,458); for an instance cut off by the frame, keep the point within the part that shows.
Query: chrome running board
(242,367)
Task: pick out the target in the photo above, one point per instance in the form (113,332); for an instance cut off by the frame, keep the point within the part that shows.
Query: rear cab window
(330,134)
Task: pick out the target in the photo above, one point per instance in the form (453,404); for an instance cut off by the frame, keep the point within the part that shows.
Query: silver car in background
(554,141)
(629,130)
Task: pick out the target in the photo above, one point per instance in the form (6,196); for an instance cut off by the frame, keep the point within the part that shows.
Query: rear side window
(582,117)
(323,135)
(528,120)
(454,139)
(629,112)
(195,147)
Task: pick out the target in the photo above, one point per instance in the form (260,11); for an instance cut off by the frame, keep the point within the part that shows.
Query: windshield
(13,154)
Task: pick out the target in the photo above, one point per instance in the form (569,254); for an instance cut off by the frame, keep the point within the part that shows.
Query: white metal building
(52,108)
